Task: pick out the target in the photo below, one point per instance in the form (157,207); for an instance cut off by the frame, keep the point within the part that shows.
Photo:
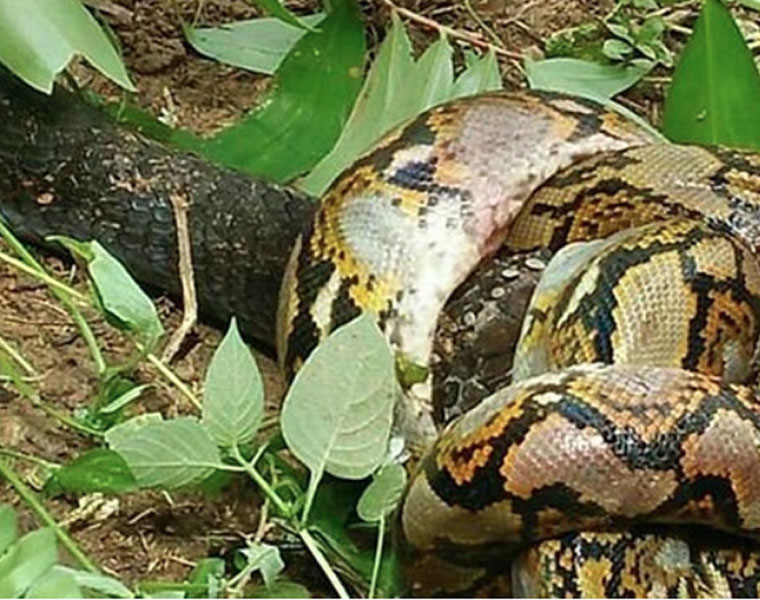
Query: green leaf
(258,45)
(38,38)
(234,393)
(715,92)
(616,49)
(104,585)
(581,77)
(123,399)
(169,454)
(264,558)
(337,414)
(97,470)
(121,432)
(124,304)
(388,98)
(312,95)
(210,573)
(382,495)
(481,75)
(26,561)
(8,527)
(276,9)
(55,584)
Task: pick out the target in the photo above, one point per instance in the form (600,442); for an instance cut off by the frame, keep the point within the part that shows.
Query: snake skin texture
(406,224)
(576,481)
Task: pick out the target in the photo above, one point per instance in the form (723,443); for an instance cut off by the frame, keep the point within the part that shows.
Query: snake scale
(581,478)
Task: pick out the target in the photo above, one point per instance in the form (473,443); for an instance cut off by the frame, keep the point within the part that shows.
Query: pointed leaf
(481,75)
(234,393)
(97,470)
(265,559)
(122,431)
(581,77)
(8,527)
(38,38)
(338,412)
(715,92)
(169,454)
(276,9)
(26,561)
(258,45)
(382,495)
(55,584)
(312,96)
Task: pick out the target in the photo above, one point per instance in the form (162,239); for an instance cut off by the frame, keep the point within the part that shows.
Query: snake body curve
(569,464)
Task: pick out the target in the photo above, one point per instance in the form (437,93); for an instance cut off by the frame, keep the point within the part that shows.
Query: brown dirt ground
(152,536)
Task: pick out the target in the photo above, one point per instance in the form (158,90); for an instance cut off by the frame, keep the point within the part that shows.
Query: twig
(482,24)
(471,38)
(185,265)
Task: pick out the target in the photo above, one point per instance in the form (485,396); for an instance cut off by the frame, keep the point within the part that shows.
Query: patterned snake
(593,479)
(630,480)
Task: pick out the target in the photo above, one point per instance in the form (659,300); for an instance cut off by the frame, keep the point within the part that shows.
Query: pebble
(498,292)
(510,273)
(535,264)
(469,318)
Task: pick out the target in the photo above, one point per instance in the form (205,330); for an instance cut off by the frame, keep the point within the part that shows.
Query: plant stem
(378,556)
(31,499)
(327,569)
(171,376)
(29,458)
(6,347)
(260,481)
(63,292)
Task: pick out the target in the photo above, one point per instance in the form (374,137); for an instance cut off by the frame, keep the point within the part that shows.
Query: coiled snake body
(590,480)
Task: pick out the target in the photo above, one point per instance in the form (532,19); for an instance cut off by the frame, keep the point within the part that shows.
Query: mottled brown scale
(674,293)
(589,448)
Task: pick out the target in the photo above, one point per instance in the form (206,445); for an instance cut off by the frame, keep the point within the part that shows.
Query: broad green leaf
(124,304)
(279,589)
(38,38)
(265,559)
(481,75)
(258,45)
(104,585)
(337,414)
(376,110)
(397,89)
(581,77)
(123,399)
(233,400)
(121,297)
(382,495)
(26,561)
(118,433)
(299,121)
(276,9)
(8,527)
(169,454)
(55,584)
(209,572)
(97,470)
(436,60)
(715,92)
